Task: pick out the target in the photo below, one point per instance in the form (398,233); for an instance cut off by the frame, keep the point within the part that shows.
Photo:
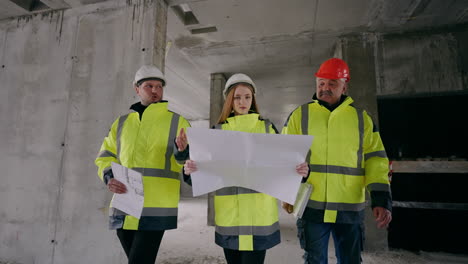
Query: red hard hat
(333,68)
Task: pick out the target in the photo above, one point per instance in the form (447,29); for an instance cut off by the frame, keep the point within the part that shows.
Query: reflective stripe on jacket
(146,146)
(346,157)
(246,219)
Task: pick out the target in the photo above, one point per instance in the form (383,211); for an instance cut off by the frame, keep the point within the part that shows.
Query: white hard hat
(149,72)
(238,78)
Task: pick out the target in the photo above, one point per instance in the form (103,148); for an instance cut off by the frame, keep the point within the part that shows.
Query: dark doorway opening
(426,126)
(430,209)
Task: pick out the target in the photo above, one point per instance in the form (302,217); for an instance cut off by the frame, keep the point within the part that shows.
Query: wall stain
(48,16)
(104,210)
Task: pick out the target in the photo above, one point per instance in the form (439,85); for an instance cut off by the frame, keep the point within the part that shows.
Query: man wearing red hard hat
(346,158)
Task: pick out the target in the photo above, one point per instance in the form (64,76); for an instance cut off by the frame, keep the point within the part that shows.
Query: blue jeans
(314,239)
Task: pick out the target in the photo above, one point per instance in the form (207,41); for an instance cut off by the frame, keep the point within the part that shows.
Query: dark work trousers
(141,247)
(244,257)
(314,240)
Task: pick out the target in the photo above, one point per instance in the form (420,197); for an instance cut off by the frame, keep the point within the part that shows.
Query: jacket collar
(139,108)
(243,120)
(243,123)
(343,99)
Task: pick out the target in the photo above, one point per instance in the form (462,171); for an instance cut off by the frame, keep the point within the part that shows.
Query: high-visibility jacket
(346,157)
(246,219)
(146,146)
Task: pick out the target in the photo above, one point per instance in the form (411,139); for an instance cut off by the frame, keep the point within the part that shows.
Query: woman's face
(242,100)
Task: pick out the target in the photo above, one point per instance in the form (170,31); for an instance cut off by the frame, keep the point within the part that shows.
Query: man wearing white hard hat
(144,140)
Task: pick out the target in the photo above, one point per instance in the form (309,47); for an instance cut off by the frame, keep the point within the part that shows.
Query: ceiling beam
(56,4)
(25,4)
(73,3)
(10,9)
(179,2)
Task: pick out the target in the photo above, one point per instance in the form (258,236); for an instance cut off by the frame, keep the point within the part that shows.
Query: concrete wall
(65,76)
(410,64)
(422,63)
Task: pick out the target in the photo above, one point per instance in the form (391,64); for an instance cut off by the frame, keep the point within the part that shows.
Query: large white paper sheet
(130,202)
(262,162)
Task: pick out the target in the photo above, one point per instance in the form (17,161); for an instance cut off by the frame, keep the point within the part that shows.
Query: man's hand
(190,167)
(382,216)
(303,169)
(116,186)
(181,140)
(287,207)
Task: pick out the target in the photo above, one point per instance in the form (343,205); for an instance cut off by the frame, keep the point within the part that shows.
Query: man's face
(150,91)
(330,90)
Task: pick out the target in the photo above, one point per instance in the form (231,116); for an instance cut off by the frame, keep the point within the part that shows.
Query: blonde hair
(229,102)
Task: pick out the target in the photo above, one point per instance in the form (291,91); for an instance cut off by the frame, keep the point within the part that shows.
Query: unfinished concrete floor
(193,243)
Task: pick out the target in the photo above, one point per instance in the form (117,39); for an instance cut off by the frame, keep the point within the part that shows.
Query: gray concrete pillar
(359,51)
(160,32)
(218,80)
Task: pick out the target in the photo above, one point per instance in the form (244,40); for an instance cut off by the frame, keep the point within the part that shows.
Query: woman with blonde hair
(246,220)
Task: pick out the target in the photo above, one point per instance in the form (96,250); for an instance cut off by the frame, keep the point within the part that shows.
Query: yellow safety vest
(246,219)
(346,157)
(146,146)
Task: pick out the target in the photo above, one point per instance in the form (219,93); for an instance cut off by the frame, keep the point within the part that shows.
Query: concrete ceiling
(280,44)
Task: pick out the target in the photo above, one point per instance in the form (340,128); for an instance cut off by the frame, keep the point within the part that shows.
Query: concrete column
(359,51)
(160,32)
(218,80)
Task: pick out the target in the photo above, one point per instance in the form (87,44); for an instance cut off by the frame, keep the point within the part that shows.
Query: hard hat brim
(330,76)
(138,83)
